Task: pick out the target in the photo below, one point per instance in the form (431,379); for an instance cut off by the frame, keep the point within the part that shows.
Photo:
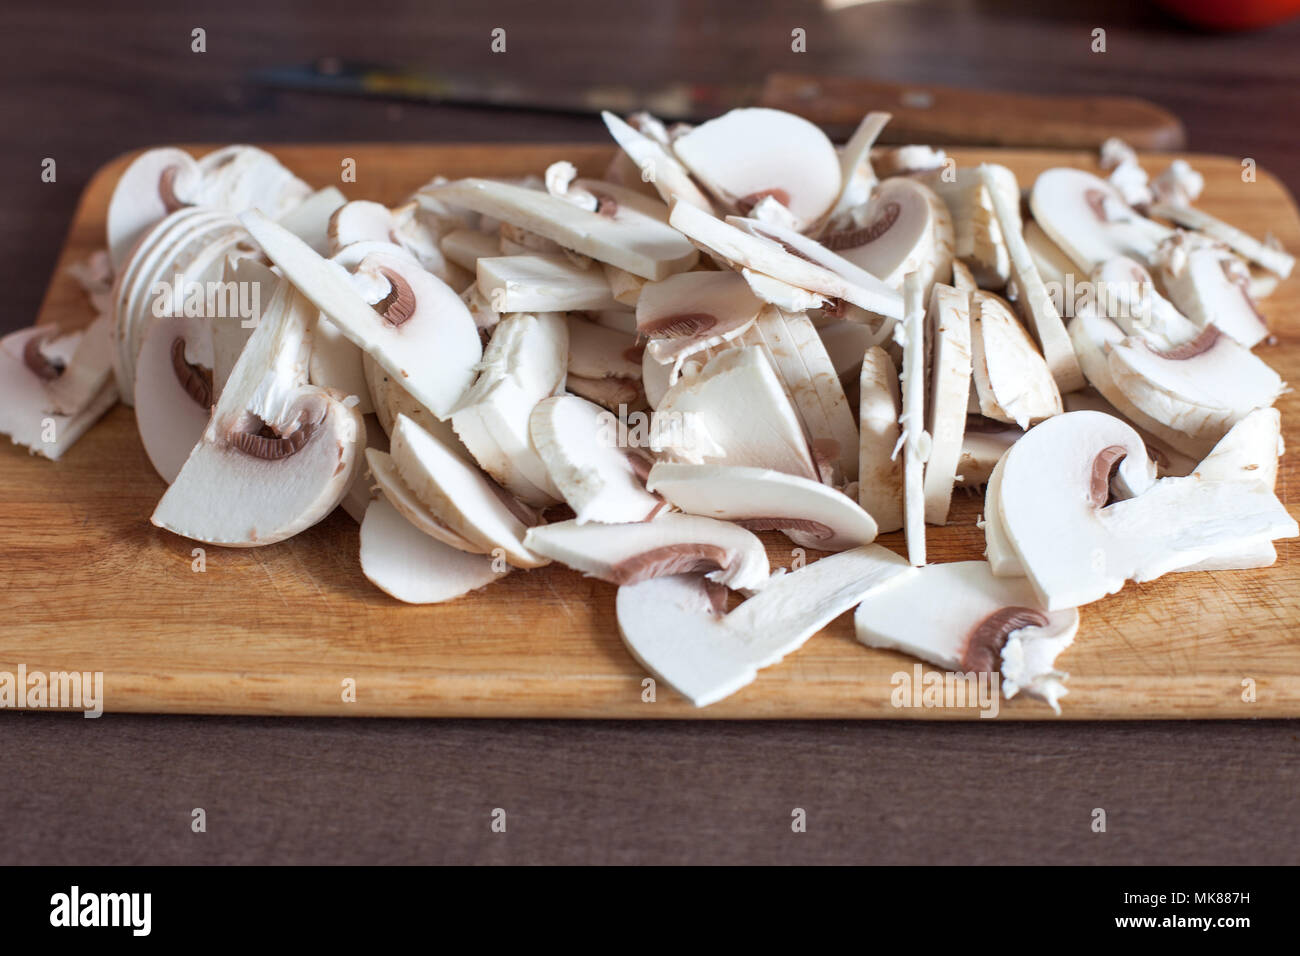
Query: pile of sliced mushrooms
(633,375)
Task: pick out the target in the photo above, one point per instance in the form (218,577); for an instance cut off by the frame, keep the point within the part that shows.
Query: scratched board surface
(89,584)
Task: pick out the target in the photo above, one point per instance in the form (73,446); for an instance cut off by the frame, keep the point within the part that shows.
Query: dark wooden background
(84,81)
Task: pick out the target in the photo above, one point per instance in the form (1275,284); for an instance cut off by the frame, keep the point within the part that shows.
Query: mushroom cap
(670,544)
(808,512)
(673,627)
(747,154)
(577,440)
(413,567)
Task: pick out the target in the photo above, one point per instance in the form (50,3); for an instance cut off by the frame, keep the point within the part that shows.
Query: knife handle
(944,115)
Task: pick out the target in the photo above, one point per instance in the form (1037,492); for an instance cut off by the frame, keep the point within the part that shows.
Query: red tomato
(1233,14)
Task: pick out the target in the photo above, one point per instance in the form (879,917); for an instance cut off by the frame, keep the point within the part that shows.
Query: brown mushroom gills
(268,444)
(821,532)
(1104,467)
(670,559)
(853,238)
(399,304)
(44,368)
(983,653)
(196,380)
(681,326)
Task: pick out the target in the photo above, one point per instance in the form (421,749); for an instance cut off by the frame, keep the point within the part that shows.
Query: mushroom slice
(915,441)
(1054,266)
(1003,559)
(1089,220)
(1127,296)
(1093,337)
(962,618)
(278,454)
(1075,548)
(880,470)
(1012,379)
(524,363)
(465,247)
(541,283)
(783,295)
(692,311)
(673,626)
(1275,260)
(628,237)
(158,182)
(418,328)
(578,442)
(656,379)
(391,400)
(670,544)
(856,174)
(807,512)
(1200,388)
(903,228)
(962,278)
(1031,292)
(383,470)
(1210,285)
(240,177)
(618,395)
(86,371)
(598,352)
(310,220)
(27,371)
(230,333)
(174,391)
(360,221)
(733,412)
(625,287)
(982,446)
(459,496)
(978,242)
(756,248)
(1248,453)
(668,176)
(1169,460)
(413,567)
(949,327)
(746,155)
(796,352)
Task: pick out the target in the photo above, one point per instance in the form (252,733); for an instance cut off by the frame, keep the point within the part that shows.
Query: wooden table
(83,82)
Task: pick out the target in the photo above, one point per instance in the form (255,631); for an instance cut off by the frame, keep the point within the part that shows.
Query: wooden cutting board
(89,585)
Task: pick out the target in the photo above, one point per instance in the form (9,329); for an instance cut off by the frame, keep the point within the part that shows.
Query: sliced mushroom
(465,247)
(625,286)
(651,157)
(413,324)
(978,242)
(1053,265)
(1275,260)
(524,363)
(764,248)
(383,472)
(796,352)
(174,391)
(982,447)
(1031,293)
(693,311)
(962,278)
(31,360)
(1127,295)
(278,454)
(880,469)
(1011,377)
(1200,388)
(783,295)
(962,618)
(949,327)
(85,372)
(915,441)
(459,496)
(241,177)
(542,283)
(158,182)
(632,236)
(1075,548)
(673,626)
(413,567)
(1169,460)
(578,442)
(1089,219)
(1210,285)
(310,219)
(807,512)
(670,544)
(733,412)
(748,154)
(904,228)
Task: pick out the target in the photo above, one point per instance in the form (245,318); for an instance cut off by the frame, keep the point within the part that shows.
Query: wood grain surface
(278,630)
(82,81)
